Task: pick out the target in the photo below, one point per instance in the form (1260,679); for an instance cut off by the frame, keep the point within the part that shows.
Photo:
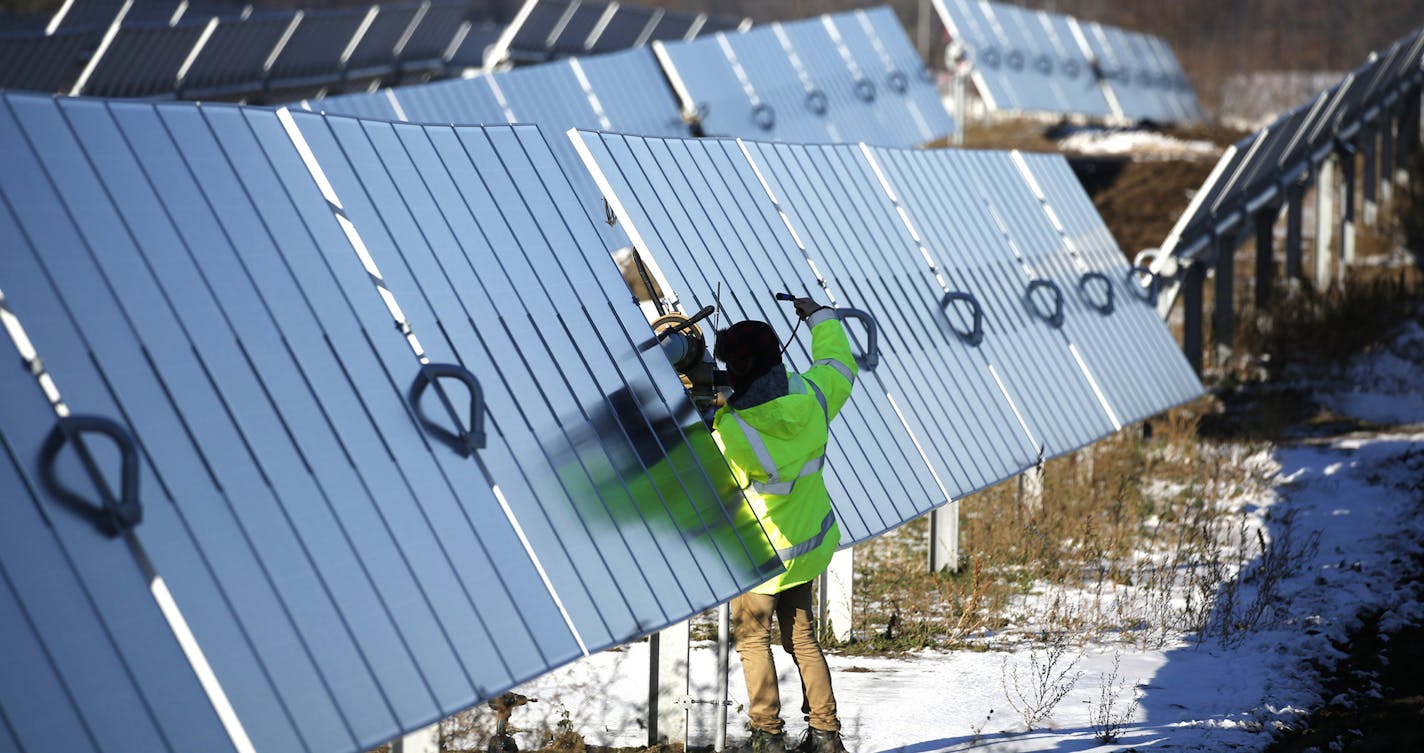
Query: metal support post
(1295,201)
(1265,256)
(724,664)
(924,23)
(1369,183)
(1193,280)
(425,740)
(1387,169)
(1031,487)
(1223,313)
(944,538)
(1347,213)
(837,586)
(961,105)
(1325,223)
(668,654)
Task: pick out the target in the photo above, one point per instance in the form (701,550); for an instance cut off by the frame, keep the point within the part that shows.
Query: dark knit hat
(749,348)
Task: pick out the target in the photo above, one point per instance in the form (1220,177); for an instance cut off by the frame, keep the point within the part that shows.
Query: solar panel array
(1008,322)
(548,29)
(398,439)
(1047,62)
(1255,171)
(199,50)
(810,81)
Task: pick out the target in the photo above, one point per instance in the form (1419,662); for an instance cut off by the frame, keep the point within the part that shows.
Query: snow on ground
(1383,386)
(1349,508)
(1140,145)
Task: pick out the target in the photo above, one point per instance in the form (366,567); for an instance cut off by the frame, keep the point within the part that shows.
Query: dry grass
(1124,529)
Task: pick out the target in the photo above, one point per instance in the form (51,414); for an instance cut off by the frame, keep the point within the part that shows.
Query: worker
(773,431)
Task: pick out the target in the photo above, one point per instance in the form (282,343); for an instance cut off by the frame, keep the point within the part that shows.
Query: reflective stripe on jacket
(777,451)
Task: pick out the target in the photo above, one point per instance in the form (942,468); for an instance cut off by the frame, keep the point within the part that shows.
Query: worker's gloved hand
(805,307)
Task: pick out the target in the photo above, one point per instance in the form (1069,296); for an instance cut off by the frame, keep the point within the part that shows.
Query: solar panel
(31,61)
(1073,69)
(905,71)
(143,60)
(785,98)
(1026,58)
(1157,365)
(314,51)
(700,211)
(375,52)
(478,41)
(210,299)
(856,109)
(432,36)
(968,237)
(881,50)
(532,32)
(90,664)
(233,60)
(630,26)
(377,105)
(713,24)
(707,83)
(674,26)
(574,454)
(468,101)
(940,384)
(572,36)
(631,93)
(971,27)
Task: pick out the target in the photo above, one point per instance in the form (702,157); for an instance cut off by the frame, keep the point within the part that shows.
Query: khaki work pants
(751,632)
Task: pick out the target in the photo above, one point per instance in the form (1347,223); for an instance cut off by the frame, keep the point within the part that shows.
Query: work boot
(824,741)
(765,742)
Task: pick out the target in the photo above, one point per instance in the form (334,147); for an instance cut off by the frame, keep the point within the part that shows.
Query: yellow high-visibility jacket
(777,450)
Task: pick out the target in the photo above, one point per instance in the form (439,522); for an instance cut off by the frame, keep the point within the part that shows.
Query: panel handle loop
(1056,318)
(816,102)
(463,441)
(115,514)
(898,82)
(1015,60)
(1143,283)
(1105,306)
(975,335)
(870,357)
(1043,64)
(865,89)
(763,116)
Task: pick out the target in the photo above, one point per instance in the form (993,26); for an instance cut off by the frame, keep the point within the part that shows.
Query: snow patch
(1140,145)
